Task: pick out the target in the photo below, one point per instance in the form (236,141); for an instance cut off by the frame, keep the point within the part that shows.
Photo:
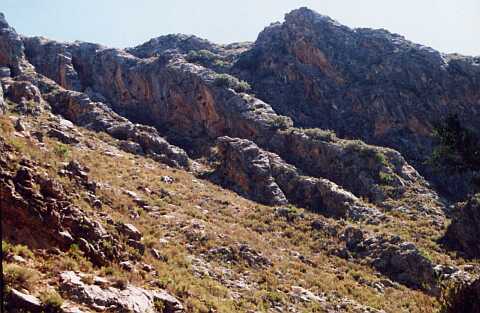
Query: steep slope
(111,165)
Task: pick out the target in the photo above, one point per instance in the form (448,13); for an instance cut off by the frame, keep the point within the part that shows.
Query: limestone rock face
(462,234)
(80,109)
(362,83)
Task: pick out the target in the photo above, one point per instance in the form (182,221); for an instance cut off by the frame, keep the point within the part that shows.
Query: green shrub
(61,151)
(200,56)
(229,81)
(386,178)
(458,147)
(52,301)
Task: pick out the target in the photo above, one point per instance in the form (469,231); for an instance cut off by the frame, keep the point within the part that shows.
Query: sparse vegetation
(229,81)
(321,134)
(282,122)
(52,301)
(18,277)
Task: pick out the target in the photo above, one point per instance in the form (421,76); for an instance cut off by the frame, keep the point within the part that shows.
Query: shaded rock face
(462,234)
(130,299)
(265,177)
(362,83)
(464,299)
(53,59)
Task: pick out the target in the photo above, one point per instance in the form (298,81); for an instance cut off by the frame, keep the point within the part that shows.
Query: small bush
(229,81)
(22,251)
(61,151)
(200,56)
(321,134)
(386,178)
(19,277)
(282,122)
(159,305)
(52,301)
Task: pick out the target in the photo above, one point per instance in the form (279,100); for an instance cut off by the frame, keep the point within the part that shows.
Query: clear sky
(446,25)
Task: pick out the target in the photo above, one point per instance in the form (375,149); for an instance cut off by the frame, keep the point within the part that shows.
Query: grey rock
(131,299)
(267,178)
(130,231)
(21,301)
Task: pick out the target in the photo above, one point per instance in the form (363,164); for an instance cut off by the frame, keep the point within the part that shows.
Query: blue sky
(446,25)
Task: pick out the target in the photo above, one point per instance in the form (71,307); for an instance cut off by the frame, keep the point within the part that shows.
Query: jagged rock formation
(184,102)
(362,83)
(462,234)
(266,177)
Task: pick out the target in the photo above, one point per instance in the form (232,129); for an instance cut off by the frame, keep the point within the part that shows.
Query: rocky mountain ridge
(179,100)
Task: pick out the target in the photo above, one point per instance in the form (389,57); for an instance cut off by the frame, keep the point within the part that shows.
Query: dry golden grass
(227,219)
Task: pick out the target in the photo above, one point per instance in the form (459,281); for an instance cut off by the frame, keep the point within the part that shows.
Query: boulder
(129,231)
(130,299)
(21,302)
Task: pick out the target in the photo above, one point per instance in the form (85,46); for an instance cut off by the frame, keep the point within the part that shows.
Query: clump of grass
(52,301)
(18,277)
(61,151)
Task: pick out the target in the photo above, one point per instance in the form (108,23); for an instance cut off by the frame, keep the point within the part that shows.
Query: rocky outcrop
(16,301)
(129,299)
(361,83)
(78,108)
(462,234)
(265,177)
(37,211)
(12,49)
(239,253)
(399,260)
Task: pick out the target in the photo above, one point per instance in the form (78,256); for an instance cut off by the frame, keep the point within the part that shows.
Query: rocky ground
(151,180)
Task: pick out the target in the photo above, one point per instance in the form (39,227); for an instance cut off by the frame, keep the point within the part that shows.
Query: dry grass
(225,219)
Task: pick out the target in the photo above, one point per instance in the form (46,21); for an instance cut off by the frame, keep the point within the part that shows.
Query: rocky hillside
(163,178)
